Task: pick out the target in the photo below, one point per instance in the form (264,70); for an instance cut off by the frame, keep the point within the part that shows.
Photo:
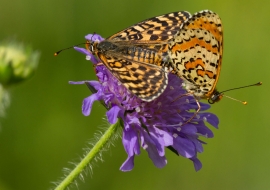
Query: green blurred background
(44,129)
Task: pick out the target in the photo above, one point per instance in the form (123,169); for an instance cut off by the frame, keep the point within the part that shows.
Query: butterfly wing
(196,50)
(157,29)
(146,81)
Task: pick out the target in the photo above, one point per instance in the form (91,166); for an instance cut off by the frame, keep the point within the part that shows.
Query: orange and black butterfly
(138,57)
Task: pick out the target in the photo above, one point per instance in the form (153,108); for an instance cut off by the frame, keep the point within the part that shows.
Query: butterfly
(196,54)
(138,57)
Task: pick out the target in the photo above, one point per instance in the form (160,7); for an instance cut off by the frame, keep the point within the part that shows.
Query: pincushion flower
(154,125)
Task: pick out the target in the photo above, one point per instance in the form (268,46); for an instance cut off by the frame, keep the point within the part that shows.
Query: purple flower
(151,125)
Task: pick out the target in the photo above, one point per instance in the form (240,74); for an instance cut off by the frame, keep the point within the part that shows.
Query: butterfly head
(92,42)
(215,97)
(89,45)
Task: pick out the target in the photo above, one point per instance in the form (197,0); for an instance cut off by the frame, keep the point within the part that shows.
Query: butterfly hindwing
(146,81)
(196,50)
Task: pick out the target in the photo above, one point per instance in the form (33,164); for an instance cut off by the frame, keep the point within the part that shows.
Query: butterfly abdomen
(133,53)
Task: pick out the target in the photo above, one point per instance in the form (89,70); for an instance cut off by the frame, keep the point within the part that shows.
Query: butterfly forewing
(157,29)
(196,52)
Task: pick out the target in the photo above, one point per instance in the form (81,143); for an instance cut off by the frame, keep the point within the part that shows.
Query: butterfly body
(151,55)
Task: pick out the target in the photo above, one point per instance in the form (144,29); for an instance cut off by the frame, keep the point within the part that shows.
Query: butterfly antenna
(257,84)
(56,53)
(93,35)
(243,102)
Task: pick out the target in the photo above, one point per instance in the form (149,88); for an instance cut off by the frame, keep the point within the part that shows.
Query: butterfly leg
(197,111)
(181,96)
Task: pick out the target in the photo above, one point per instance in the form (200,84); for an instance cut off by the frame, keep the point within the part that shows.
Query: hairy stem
(89,157)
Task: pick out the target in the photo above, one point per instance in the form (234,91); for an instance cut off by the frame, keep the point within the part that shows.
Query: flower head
(151,125)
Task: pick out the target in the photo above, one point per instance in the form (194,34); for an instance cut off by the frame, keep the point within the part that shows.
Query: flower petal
(197,163)
(94,37)
(112,114)
(95,84)
(166,137)
(211,119)
(130,142)
(189,129)
(159,161)
(89,55)
(76,82)
(88,103)
(83,50)
(184,147)
(128,164)
(198,144)
(160,139)
(205,131)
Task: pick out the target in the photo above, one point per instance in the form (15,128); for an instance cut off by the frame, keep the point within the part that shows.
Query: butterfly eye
(215,97)
(91,48)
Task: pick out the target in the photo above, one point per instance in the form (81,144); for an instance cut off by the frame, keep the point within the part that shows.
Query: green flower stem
(89,157)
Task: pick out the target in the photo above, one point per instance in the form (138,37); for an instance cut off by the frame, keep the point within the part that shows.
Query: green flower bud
(17,62)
